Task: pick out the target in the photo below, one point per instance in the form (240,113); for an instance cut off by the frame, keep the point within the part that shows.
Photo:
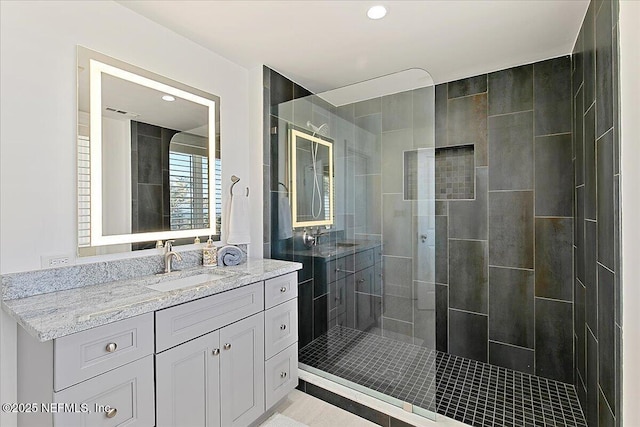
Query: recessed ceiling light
(168,98)
(377,12)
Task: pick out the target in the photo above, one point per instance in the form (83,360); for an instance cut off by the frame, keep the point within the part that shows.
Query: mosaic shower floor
(468,391)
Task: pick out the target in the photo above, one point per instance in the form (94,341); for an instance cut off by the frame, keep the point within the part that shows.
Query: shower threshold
(465,390)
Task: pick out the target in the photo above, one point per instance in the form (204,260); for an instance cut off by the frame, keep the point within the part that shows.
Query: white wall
(630,205)
(38,116)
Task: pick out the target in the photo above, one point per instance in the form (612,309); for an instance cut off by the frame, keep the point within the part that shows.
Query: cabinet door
(188,384)
(120,397)
(242,371)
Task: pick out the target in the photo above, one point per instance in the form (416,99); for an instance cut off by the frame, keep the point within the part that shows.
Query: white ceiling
(324,45)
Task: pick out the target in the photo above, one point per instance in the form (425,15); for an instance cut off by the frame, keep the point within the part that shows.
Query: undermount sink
(346,244)
(186,282)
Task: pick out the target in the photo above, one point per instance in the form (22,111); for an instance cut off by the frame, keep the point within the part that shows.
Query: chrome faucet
(169,254)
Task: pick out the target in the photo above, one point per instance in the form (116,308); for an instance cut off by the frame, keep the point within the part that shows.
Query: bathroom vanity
(200,347)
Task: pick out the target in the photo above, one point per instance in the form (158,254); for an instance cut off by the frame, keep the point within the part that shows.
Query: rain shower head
(322,130)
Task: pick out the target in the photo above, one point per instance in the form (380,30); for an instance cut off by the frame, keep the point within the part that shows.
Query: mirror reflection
(148,150)
(312,177)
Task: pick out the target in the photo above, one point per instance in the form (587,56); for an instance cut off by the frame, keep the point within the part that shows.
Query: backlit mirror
(311,179)
(148,158)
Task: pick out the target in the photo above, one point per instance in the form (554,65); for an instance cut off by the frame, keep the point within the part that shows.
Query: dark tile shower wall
(504,260)
(596,154)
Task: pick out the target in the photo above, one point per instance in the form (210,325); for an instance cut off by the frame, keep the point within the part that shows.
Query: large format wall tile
(579,328)
(470,338)
(511,306)
(397,111)
(468,218)
(578,234)
(468,86)
(368,204)
(554,258)
(393,145)
(578,138)
(511,357)
(591,276)
(511,151)
(554,339)
(589,65)
(468,278)
(511,229)
(606,334)
(591,411)
(441,115)
(442,251)
(589,165)
(397,222)
(606,231)
(604,70)
(511,90)
(554,176)
(552,94)
(442,318)
(467,124)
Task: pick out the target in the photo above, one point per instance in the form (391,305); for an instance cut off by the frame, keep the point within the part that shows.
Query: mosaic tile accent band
(468,391)
(454,172)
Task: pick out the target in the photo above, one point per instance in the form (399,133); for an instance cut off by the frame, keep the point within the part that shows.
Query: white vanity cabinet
(98,377)
(213,380)
(218,361)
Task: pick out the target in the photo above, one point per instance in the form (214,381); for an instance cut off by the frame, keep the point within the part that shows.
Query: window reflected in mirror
(148,158)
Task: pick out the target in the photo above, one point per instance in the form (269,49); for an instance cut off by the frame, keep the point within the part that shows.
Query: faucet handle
(169,245)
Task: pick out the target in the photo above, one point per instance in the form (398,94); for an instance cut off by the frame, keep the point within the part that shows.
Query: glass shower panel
(366,292)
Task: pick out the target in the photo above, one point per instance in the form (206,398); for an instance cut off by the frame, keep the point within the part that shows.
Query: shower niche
(453,178)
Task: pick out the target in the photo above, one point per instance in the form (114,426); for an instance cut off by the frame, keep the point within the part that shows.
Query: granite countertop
(55,314)
(330,251)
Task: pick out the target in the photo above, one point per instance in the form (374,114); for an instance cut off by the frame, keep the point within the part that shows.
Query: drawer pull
(283,289)
(216,351)
(361,281)
(111,347)
(227,346)
(283,375)
(111,413)
(283,327)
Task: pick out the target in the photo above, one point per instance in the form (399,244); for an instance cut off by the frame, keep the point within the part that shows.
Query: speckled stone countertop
(330,251)
(55,314)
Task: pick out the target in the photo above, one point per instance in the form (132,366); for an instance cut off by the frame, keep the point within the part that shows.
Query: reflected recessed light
(377,12)
(168,98)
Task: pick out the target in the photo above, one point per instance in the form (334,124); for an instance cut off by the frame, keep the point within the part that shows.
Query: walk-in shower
(439,284)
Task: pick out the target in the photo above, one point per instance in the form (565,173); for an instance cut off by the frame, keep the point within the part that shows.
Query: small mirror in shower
(311,160)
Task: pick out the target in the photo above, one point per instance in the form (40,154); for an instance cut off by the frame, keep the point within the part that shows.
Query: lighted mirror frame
(293,138)
(96,70)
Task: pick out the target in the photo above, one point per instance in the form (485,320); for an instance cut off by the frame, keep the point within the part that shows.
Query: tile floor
(468,391)
(314,412)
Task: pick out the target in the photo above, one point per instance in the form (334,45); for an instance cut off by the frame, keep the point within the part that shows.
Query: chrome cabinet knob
(111,347)
(111,413)
(283,327)
(361,281)
(283,375)
(227,346)
(283,289)
(216,351)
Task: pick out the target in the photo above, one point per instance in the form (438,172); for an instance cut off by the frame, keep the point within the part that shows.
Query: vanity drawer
(127,390)
(281,327)
(86,354)
(280,289)
(281,375)
(175,325)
